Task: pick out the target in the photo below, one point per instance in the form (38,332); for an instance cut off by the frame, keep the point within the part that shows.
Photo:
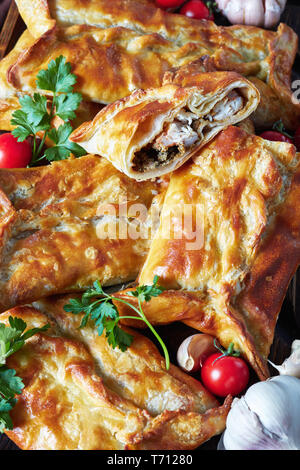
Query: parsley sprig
(12,338)
(36,114)
(106,316)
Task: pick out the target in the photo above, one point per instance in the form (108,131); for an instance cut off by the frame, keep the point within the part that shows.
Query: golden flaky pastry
(81,394)
(109,63)
(65,225)
(228,242)
(251,51)
(9,98)
(153,132)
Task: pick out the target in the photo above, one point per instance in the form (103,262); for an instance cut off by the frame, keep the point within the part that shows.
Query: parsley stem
(144,318)
(166,353)
(34,149)
(52,106)
(127,303)
(130,318)
(41,145)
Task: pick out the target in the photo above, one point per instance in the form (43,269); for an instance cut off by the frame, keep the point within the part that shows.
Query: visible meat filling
(176,138)
(182,134)
(149,157)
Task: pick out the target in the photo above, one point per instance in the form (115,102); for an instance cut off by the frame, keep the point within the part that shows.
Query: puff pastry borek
(227,276)
(60,228)
(267,55)
(79,392)
(153,132)
(109,63)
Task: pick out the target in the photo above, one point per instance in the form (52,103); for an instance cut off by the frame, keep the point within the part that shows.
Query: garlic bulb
(291,365)
(264,13)
(267,417)
(194,350)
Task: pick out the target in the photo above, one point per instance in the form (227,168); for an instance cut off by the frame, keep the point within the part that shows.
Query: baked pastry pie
(228,242)
(109,63)
(265,54)
(81,394)
(152,132)
(67,224)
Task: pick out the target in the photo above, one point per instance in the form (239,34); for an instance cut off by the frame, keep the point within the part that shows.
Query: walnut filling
(183,134)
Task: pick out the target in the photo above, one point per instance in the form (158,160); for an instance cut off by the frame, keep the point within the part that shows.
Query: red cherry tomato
(276,136)
(14,154)
(196,9)
(169,3)
(297,139)
(227,375)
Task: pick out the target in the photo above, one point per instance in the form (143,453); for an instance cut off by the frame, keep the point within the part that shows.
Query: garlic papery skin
(291,365)
(267,417)
(194,350)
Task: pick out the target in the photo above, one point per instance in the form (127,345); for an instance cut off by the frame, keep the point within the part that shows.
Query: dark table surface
(288,325)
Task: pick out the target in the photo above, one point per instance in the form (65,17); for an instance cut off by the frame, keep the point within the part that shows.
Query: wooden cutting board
(288,325)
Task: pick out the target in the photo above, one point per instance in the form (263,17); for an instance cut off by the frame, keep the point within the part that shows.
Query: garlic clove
(295,345)
(265,418)
(291,365)
(264,13)
(194,350)
(273,11)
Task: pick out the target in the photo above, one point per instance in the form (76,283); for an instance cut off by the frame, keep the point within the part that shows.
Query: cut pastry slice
(228,242)
(152,132)
(67,224)
(80,394)
(267,55)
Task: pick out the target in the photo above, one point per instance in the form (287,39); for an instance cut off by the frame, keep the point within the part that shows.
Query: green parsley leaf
(12,338)
(145,293)
(65,105)
(63,147)
(25,127)
(95,291)
(57,78)
(116,336)
(17,324)
(35,108)
(5,419)
(105,309)
(101,311)
(10,384)
(75,306)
